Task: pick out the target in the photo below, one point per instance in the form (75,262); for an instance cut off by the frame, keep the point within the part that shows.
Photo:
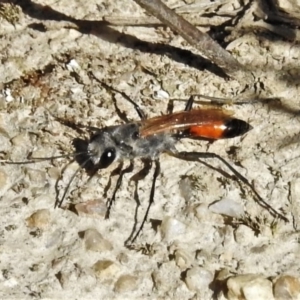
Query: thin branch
(204,43)
(152,21)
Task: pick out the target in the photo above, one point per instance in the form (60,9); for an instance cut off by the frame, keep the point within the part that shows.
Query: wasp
(148,138)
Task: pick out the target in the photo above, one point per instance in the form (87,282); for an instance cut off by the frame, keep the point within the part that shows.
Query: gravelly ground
(49,65)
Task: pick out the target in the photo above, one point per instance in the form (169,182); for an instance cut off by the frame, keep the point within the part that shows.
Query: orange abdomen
(219,129)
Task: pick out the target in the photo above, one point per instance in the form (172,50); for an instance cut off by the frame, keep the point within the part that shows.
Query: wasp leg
(151,199)
(170,107)
(118,185)
(136,178)
(189,104)
(139,111)
(196,156)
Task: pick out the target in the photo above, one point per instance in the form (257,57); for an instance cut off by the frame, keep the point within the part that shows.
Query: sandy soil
(52,55)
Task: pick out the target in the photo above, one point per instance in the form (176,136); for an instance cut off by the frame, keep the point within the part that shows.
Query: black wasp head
(101,150)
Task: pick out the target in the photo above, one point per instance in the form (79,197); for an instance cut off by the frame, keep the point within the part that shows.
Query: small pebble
(36,176)
(106,269)
(201,211)
(185,187)
(287,287)
(202,256)
(161,94)
(20,139)
(198,279)
(249,287)
(94,241)
(57,263)
(227,207)
(126,283)
(94,208)
(165,276)
(8,95)
(203,214)
(172,228)
(54,173)
(183,259)
(73,65)
(243,234)
(39,219)
(123,258)
(261,288)
(223,274)
(54,238)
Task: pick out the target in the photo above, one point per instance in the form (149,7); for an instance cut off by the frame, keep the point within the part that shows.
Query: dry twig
(207,46)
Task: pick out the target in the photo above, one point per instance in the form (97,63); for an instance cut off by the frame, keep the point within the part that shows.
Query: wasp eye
(107,157)
(135,135)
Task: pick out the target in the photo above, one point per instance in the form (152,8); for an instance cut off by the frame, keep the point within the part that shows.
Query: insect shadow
(147,139)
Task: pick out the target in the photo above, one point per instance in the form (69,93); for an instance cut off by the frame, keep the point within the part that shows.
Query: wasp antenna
(33,160)
(58,201)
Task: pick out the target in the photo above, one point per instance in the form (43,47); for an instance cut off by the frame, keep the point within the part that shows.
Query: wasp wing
(200,123)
